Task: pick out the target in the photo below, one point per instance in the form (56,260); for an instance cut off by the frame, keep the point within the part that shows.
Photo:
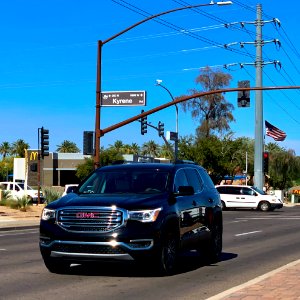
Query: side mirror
(185,190)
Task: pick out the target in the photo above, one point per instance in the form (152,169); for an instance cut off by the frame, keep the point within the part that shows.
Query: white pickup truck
(17,190)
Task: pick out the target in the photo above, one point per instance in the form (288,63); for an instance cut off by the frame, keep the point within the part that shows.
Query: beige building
(57,169)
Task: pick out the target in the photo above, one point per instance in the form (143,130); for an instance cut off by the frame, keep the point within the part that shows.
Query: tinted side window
(206,178)
(180,180)
(247,191)
(233,190)
(222,189)
(194,179)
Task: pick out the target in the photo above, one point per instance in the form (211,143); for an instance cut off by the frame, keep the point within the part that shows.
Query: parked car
(146,212)
(19,190)
(243,196)
(69,188)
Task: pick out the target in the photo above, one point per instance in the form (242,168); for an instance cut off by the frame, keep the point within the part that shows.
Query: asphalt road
(254,243)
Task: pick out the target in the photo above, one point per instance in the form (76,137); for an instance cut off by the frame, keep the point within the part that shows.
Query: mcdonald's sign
(34,155)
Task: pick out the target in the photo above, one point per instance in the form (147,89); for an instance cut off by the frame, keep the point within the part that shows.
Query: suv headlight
(48,214)
(146,215)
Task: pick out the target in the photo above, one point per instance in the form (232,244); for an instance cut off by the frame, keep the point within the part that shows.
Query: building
(57,169)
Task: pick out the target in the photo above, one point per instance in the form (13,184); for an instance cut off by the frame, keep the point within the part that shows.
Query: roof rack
(185,161)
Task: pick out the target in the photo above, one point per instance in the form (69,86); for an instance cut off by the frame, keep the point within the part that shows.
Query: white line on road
(245,233)
(19,232)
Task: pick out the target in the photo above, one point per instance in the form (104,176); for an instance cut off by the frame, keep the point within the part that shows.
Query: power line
(173,26)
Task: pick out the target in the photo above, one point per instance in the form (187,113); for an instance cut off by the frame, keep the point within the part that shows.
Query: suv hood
(126,201)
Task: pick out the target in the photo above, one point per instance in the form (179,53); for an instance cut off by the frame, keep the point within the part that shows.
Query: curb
(249,283)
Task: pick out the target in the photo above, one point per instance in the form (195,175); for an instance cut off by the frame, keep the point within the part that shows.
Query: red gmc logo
(85,215)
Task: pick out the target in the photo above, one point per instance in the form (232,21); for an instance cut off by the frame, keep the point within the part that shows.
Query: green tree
(151,148)
(67,147)
(85,168)
(18,148)
(6,167)
(134,148)
(118,146)
(107,157)
(166,152)
(5,149)
(284,168)
(213,111)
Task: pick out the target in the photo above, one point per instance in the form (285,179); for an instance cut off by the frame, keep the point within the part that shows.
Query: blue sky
(48,65)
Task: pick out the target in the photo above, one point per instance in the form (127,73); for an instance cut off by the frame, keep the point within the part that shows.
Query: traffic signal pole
(197,95)
(98,131)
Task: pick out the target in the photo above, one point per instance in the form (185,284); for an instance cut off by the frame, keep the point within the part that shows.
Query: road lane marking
(26,231)
(270,218)
(246,233)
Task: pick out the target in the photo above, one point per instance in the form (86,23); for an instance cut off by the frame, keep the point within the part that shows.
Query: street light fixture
(98,131)
(158,83)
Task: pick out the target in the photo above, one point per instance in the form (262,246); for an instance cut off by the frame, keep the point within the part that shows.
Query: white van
(17,190)
(243,196)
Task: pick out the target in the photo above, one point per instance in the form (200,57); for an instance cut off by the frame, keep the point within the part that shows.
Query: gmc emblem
(85,215)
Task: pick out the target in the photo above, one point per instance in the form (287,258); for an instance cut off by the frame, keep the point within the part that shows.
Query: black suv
(142,211)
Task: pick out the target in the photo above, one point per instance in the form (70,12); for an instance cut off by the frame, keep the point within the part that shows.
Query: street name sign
(123,98)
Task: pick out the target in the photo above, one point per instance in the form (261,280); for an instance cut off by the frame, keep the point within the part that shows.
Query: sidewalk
(280,284)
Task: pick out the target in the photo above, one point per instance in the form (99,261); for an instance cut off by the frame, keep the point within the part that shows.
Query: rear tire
(212,250)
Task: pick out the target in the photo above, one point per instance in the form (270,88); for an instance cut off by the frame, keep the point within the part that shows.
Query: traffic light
(266,161)
(244,96)
(143,124)
(44,142)
(88,138)
(161,128)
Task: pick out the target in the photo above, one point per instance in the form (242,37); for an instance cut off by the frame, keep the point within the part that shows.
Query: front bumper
(112,250)
(276,205)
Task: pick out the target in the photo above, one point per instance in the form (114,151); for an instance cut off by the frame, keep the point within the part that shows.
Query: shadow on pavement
(187,262)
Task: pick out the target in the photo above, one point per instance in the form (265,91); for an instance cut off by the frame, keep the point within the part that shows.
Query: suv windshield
(125,181)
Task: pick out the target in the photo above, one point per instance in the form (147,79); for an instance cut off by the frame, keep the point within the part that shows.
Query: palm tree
(67,147)
(166,151)
(5,149)
(117,146)
(135,148)
(18,148)
(151,148)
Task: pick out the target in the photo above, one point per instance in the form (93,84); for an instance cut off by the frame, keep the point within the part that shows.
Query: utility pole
(259,141)
(259,63)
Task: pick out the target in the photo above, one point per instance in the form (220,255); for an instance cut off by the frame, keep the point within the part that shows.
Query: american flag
(274,132)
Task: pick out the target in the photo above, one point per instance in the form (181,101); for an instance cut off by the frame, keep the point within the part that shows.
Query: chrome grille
(90,220)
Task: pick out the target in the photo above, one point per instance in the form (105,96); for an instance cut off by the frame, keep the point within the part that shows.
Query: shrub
(51,194)
(21,203)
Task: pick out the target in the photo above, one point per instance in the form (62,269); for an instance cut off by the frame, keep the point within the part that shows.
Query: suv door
(248,198)
(188,209)
(231,195)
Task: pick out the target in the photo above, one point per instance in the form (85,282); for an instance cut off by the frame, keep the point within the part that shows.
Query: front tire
(223,205)
(264,206)
(55,265)
(167,254)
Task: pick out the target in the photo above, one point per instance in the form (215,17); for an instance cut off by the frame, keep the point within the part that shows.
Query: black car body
(145,212)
